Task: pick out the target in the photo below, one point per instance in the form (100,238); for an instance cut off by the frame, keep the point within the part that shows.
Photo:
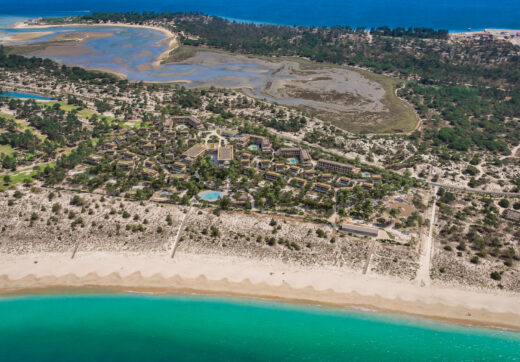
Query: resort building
(279,167)
(513,215)
(337,166)
(229,132)
(367,186)
(168,125)
(376,179)
(155,135)
(179,167)
(325,177)
(294,170)
(188,120)
(322,188)
(245,162)
(130,134)
(170,157)
(265,163)
(148,173)
(149,147)
(225,155)
(263,142)
(303,155)
(359,230)
(300,182)
(305,158)
(93,160)
(162,141)
(110,152)
(344,181)
(309,174)
(125,165)
(193,152)
(272,176)
(129,155)
(109,146)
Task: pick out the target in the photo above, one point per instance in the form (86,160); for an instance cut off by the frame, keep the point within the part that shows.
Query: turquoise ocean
(440,14)
(124,327)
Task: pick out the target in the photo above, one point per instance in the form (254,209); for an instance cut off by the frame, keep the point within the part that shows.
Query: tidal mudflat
(348,97)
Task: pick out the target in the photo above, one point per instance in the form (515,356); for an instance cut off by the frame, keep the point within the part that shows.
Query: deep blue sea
(440,14)
(143,328)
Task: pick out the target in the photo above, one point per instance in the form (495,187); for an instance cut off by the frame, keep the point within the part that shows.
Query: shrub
(496,276)
(504,203)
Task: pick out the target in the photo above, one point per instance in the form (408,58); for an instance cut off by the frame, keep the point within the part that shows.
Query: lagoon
(114,327)
(25,95)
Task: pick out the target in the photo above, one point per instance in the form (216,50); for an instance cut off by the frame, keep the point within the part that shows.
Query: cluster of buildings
(252,151)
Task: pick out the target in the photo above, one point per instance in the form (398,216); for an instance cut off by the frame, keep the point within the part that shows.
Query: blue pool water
(293,161)
(211,195)
(145,328)
(24,95)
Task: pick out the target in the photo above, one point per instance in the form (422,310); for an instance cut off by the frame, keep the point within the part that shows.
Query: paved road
(473,191)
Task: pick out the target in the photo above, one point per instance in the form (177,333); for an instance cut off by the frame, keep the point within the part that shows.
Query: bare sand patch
(21,37)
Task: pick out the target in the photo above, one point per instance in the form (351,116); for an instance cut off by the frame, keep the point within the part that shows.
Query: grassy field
(181,53)
(83,112)
(400,117)
(6,149)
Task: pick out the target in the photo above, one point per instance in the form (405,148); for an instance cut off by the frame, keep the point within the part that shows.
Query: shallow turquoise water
(24,95)
(141,328)
(211,195)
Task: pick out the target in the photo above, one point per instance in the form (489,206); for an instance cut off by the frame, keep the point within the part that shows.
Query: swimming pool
(210,195)
(366,174)
(253,147)
(293,161)
(181,126)
(25,95)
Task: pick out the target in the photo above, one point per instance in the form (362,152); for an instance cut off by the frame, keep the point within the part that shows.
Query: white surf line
(423,273)
(176,241)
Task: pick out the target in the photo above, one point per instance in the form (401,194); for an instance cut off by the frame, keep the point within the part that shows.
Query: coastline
(156,273)
(170,38)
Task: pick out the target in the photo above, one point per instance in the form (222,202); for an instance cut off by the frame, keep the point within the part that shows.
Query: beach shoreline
(157,274)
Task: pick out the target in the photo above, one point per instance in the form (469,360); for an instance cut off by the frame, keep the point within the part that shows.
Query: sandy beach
(213,274)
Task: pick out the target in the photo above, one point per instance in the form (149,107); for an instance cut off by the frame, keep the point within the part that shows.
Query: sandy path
(423,273)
